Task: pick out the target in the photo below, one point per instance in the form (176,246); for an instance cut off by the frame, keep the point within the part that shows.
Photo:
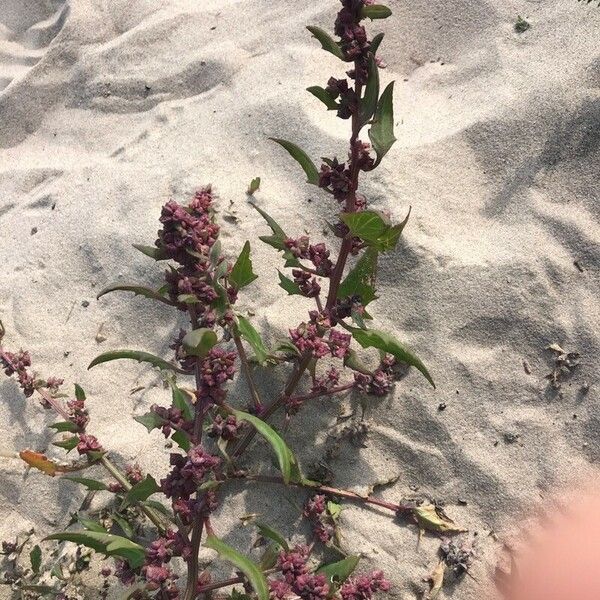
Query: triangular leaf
(382,130)
(324,96)
(141,491)
(150,420)
(371,338)
(64,426)
(292,288)
(339,571)
(199,341)
(359,281)
(241,275)
(249,333)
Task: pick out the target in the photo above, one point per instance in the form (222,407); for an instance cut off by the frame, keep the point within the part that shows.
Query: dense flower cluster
(307,339)
(225,428)
(327,382)
(309,286)
(317,254)
(380,382)
(297,580)
(18,363)
(88,443)
(173,419)
(315,509)
(188,472)
(364,586)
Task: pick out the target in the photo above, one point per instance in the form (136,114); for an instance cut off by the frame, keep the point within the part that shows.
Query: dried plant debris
(455,560)
(564,365)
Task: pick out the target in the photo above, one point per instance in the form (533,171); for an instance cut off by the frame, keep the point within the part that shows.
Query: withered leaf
(433,518)
(436,581)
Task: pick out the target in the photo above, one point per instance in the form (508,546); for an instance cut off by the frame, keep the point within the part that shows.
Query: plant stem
(116,474)
(247,372)
(312,395)
(331,491)
(192,577)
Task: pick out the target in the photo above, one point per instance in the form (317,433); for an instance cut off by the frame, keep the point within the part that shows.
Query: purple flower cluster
(18,363)
(336,178)
(364,586)
(317,254)
(315,509)
(380,382)
(225,428)
(307,339)
(297,580)
(173,419)
(188,472)
(88,443)
(339,343)
(78,413)
(309,286)
(327,382)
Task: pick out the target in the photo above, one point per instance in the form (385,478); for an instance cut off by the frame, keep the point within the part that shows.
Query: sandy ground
(109,108)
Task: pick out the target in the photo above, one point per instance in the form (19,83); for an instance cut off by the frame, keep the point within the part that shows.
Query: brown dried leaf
(436,581)
(40,461)
(433,518)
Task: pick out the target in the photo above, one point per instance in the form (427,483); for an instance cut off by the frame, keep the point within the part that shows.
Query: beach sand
(108,109)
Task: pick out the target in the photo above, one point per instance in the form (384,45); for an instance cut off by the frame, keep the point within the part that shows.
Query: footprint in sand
(26,29)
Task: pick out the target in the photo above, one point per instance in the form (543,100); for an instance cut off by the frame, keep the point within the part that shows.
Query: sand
(108,109)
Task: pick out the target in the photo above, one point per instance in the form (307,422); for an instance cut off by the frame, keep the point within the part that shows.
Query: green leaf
(277,240)
(254,186)
(376,42)
(249,333)
(68,444)
(105,543)
(138,290)
(285,457)
(368,104)
(371,338)
(246,566)
(182,440)
(352,361)
(339,571)
(291,287)
(64,426)
(35,556)
(334,509)
(268,532)
(92,525)
(124,525)
(138,355)
(376,11)
(359,281)
(152,252)
(327,42)
(150,421)
(241,275)
(382,130)
(303,159)
(141,491)
(374,228)
(79,393)
(90,484)
(199,341)
(180,401)
(324,96)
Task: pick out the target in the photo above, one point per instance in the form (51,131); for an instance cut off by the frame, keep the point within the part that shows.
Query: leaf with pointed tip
(268,532)
(68,444)
(368,104)
(376,42)
(254,186)
(374,228)
(389,239)
(90,484)
(291,287)
(249,333)
(302,158)
(105,543)
(375,11)
(138,355)
(339,571)
(180,401)
(141,491)
(182,440)
(277,240)
(242,275)
(152,252)
(359,282)
(124,525)
(327,42)
(199,341)
(79,393)
(371,338)
(138,290)
(64,426)
(288,464)
(245,565)
(150,421)
(381,132)
(35,556)
(41,462)
(433,518)
(324,96)
(92,525)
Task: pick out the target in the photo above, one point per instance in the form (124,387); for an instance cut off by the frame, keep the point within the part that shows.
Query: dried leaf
(436,580)
(40,461)
(433,518)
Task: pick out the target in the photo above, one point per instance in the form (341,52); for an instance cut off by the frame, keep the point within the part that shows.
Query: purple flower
(308,285)
(188,472)
(311,587)
(292,564)
(339,343)
(306,338)
(217,367)
(88,443)
(224,428)
(364,586)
